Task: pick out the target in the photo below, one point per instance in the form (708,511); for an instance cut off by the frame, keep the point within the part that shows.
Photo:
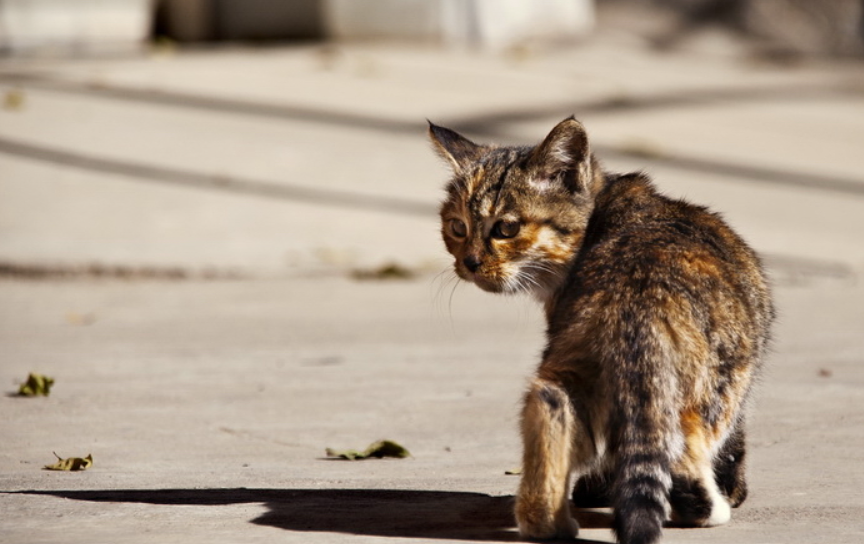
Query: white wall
(74,26)
(492,24)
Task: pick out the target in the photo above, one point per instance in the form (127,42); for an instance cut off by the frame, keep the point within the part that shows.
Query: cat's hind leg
(729,466)
(593,490)
(548,433)
(695,497)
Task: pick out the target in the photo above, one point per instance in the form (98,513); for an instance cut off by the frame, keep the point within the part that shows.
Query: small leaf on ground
(13,100)
(643,148)
(71,464)
(386,272)
(377,450)
(74,318)
(36,385)
(513,472)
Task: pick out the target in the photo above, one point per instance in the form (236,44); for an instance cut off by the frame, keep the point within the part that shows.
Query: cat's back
(651,262)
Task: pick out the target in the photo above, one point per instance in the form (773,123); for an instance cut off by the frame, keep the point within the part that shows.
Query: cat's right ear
(564,156)
(458,150)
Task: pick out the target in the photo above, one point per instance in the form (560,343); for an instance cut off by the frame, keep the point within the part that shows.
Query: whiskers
(447,280)
(535,278)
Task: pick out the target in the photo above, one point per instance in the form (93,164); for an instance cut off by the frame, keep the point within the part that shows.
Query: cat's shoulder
(641,239)
(632,214)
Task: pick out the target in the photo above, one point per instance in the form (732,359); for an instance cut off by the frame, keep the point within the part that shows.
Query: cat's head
(514,217)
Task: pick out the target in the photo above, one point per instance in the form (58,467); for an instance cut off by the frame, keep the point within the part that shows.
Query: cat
(658,318)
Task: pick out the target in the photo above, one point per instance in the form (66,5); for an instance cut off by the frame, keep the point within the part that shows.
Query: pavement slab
(207,407)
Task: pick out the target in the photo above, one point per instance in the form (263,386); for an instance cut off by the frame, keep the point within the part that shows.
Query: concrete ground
(181,237)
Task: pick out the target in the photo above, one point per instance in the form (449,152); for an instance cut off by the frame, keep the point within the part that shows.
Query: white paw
(721,513)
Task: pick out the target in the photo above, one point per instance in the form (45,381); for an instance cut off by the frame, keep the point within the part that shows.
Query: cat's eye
(458,228)
(505,229)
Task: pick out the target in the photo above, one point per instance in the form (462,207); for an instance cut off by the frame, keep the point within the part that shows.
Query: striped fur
(658,317)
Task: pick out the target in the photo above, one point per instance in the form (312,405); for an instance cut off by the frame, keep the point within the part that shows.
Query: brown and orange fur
(658,317)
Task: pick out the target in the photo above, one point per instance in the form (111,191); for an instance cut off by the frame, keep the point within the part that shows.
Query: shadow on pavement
(488,125)
(239,185)
(445,515)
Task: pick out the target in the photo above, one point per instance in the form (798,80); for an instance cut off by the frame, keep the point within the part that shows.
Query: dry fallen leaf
(75,318)
(377,450)
(13,100)
(644,148)
(36,385)
(391,271)
(71,464)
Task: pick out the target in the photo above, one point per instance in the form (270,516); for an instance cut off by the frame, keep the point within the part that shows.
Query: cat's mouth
(491,283)
(481,280)
(487,284)
(524,278)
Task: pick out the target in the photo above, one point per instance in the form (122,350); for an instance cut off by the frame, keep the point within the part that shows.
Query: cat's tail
(644,438)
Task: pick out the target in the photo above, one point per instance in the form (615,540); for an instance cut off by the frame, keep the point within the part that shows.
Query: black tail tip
(638,530)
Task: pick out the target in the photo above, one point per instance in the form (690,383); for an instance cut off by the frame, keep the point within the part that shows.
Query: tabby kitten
(657,322)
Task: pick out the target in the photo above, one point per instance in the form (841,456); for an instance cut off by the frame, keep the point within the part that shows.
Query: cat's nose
(471,262)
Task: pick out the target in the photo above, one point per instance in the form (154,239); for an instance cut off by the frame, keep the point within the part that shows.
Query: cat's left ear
(564,157)
(457,149)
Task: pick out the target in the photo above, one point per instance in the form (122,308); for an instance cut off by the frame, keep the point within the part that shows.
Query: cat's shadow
(445,515)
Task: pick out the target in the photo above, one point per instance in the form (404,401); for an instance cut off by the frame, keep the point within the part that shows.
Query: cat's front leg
(548,426)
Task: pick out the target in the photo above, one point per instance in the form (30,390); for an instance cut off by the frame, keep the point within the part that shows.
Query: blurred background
(245,138)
